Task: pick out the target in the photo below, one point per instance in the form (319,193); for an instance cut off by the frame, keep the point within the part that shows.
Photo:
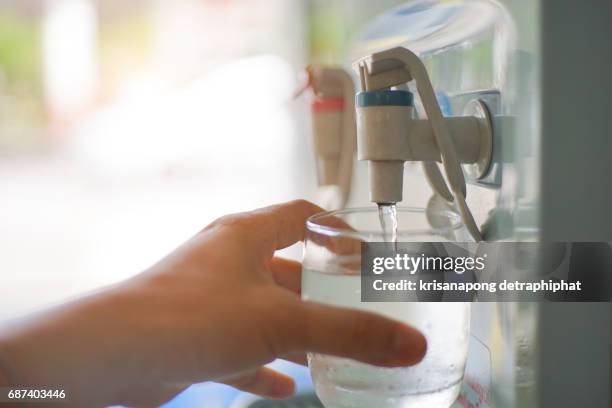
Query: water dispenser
(489,98)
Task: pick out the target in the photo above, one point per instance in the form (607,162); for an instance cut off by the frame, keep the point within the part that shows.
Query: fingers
(287,273)
(264,382)
(358,335)
(284,224)
(277,226)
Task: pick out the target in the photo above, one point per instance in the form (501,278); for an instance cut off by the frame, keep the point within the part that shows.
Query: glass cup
(331,275)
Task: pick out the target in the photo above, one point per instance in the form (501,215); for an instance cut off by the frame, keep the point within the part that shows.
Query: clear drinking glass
(331,275)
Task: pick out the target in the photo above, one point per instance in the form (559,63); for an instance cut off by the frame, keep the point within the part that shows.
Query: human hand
(218,308)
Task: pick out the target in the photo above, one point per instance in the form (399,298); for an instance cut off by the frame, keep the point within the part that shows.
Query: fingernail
(410,346)
(282,390)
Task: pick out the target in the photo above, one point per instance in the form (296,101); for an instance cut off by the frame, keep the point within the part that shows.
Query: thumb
(363,336)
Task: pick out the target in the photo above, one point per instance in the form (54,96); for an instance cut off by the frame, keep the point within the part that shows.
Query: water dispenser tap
(333,127)
(388,134)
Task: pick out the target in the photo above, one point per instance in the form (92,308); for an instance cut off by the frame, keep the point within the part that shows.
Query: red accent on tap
(327,105)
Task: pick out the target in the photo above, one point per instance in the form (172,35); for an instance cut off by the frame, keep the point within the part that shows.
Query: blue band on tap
(383,98)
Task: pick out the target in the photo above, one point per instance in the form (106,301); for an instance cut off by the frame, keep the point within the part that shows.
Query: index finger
(277,226)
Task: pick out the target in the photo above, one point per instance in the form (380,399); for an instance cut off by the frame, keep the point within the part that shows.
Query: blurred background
(127,126)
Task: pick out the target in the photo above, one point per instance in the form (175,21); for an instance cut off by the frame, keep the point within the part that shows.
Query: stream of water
(387,213)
